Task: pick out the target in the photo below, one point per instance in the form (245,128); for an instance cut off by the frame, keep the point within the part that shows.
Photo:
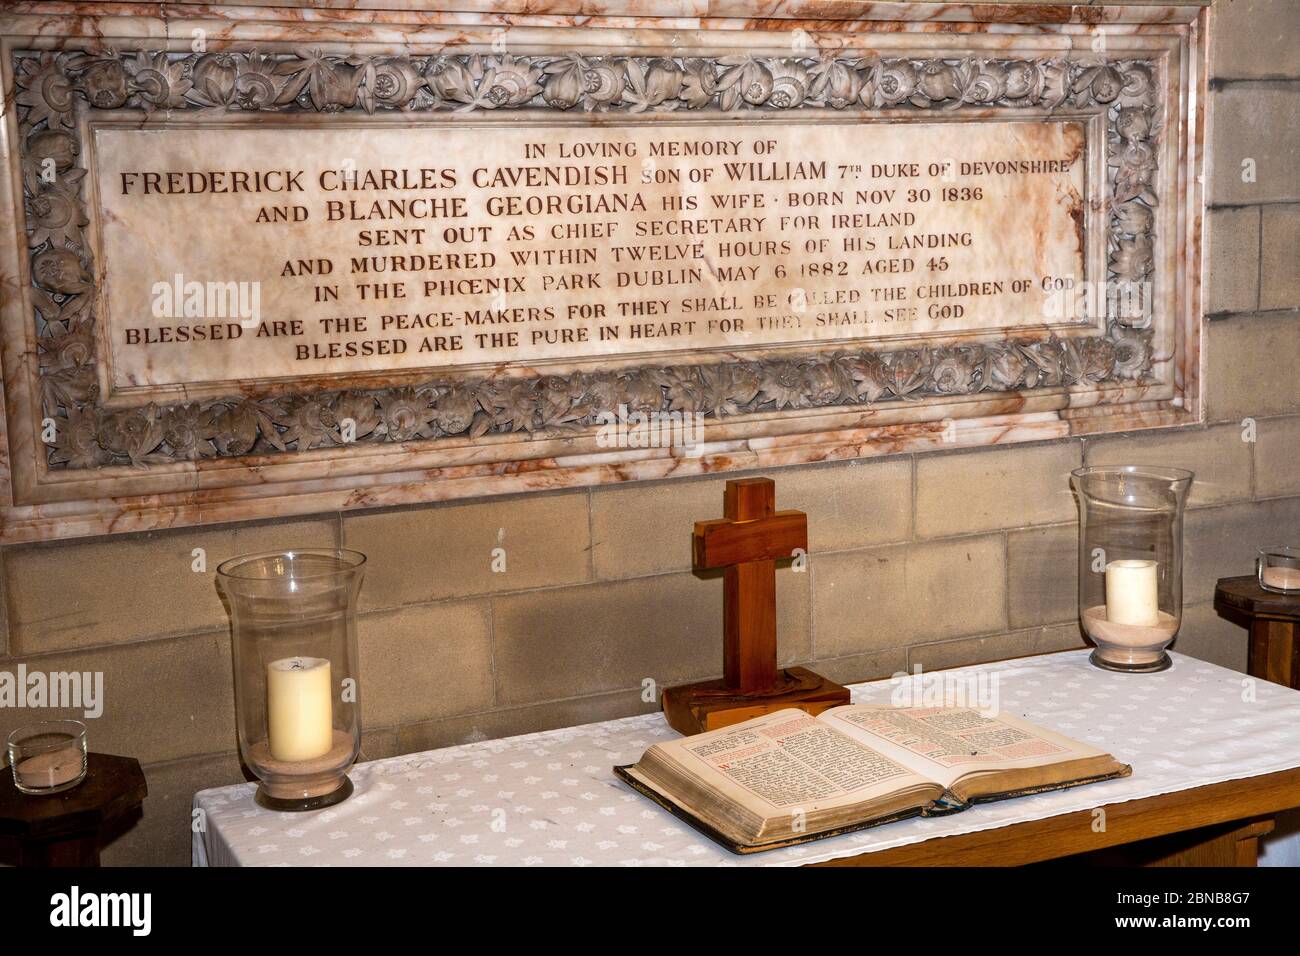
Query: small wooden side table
(1274,624)
(68,828)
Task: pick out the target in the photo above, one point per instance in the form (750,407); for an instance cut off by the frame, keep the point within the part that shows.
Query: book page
(787,761)
(944,743)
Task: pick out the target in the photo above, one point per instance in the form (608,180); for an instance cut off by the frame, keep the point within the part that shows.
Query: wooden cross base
(747,543)
(710,704)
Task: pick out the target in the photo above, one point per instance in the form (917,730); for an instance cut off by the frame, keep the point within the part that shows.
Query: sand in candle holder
(301,779)
(1280,578)
(1129,643)
(54,768)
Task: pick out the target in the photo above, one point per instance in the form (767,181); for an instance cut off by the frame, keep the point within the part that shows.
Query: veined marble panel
(384,247)
(959,226)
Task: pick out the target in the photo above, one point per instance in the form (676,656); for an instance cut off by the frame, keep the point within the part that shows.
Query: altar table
(1206,757)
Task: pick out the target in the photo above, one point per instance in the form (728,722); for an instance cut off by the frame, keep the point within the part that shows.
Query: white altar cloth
(550,798)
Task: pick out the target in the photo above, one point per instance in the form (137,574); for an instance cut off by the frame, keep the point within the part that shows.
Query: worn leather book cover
(946,805)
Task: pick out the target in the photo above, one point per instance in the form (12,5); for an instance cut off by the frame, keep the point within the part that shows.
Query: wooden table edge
(1069,833)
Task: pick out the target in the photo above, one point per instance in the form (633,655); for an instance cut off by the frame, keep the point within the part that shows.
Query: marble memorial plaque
(372,247)
(262,267)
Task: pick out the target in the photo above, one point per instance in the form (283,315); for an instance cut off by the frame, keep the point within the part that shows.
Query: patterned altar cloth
(550,798)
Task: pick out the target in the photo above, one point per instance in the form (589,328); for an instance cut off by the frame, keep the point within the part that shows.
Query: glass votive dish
(48,757)
(1278,569)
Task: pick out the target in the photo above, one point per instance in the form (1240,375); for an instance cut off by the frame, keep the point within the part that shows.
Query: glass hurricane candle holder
(293,617)
(1278,569)
(48,756)
(1131,562)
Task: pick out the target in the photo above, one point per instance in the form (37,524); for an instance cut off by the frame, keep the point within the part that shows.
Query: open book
(787,777)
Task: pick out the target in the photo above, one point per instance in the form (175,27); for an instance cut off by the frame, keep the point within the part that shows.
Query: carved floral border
(87,436)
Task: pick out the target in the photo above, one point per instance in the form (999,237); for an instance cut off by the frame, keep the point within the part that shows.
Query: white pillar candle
(299,708)
(1132,595)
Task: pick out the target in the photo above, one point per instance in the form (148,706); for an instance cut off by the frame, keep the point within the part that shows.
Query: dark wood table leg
(79,851)
(1273,651)
(1238,845)
(68,828)
(1272,620)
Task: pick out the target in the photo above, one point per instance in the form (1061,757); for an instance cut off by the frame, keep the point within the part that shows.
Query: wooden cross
(746,544)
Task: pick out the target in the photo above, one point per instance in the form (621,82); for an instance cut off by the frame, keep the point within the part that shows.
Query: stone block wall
(935,559)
